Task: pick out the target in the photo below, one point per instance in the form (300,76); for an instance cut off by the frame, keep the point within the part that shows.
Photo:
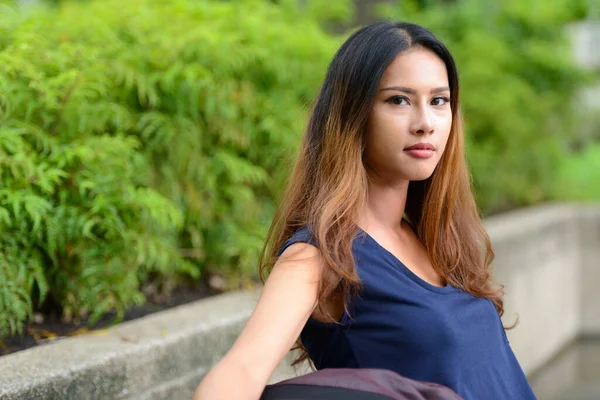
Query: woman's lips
(420,150)
(420,153)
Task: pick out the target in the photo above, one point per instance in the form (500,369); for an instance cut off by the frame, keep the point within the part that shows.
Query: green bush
(144,138)
(579,175)
(518,83)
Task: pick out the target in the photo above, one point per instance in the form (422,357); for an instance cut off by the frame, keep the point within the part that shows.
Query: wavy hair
(328,185)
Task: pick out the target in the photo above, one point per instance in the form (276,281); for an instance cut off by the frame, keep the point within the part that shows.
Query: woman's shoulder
(301,235)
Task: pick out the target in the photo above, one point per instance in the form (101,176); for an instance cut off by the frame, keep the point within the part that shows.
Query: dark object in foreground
(356,384)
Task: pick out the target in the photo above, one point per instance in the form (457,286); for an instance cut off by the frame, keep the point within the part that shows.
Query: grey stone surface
(547,257)
(132,358)
(583,392)
(179,388)
(589,360)
(560,374)
(589,218)
(538,258)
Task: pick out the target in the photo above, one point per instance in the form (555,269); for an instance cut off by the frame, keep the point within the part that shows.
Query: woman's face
(411,118)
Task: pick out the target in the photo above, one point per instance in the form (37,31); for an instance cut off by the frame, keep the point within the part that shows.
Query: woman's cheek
(445,123)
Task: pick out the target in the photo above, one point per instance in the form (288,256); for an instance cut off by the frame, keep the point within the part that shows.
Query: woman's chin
(420,176)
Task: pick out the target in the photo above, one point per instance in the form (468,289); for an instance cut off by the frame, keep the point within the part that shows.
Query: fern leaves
(128,141)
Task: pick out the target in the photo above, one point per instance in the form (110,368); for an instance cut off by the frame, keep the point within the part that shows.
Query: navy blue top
(421,331)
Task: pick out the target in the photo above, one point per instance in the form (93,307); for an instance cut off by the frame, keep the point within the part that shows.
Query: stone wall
(548,257)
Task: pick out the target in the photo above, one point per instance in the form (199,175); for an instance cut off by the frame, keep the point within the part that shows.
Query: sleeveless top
(424,332)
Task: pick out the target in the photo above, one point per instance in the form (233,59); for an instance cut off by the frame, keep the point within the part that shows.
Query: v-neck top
(422,331)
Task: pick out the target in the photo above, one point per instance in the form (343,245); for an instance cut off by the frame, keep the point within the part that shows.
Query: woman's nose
(422,123)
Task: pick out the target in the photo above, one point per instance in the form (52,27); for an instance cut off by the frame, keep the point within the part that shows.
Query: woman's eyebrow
(413,91)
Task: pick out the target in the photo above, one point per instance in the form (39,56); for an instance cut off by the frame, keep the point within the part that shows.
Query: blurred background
(144,144)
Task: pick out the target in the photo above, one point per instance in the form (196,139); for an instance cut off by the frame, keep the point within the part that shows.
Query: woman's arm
(286,302)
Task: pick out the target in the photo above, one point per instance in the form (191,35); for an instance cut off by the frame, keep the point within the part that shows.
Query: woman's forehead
(417,68)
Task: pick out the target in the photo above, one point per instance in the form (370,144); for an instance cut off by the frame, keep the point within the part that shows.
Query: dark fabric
(423,332)
(367,384)
(305,392)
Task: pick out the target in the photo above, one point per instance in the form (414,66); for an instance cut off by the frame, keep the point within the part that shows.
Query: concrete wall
(589,222)
(540,258)
(548,257)
(160,356)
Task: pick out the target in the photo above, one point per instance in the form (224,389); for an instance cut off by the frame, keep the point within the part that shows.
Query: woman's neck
(384,208)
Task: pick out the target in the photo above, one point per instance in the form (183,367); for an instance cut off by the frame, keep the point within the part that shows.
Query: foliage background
(147,141)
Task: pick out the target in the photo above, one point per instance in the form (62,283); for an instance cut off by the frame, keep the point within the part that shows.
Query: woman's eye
(440,101)
(398,100)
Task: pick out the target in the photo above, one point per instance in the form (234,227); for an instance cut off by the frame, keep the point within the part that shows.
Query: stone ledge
(131,358)
(164,355)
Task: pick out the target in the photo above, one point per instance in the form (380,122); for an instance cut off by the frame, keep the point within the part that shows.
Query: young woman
(377,257)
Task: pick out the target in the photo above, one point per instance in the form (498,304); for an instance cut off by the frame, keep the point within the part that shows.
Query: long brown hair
(328,185)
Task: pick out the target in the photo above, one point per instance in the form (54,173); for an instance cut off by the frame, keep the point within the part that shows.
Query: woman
(379,257)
